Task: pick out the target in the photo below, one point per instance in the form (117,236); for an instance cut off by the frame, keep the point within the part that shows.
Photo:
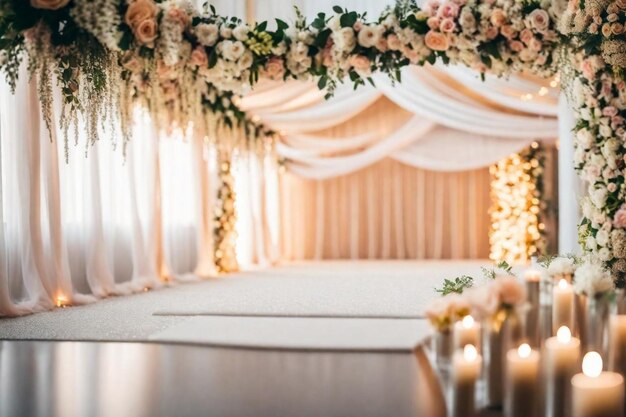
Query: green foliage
(501,267)
(456,285)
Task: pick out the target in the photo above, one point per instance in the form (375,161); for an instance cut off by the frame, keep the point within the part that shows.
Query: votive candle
(466,332)
(596,393)
(466,365)
(562,354)
(521,382)
(562,306)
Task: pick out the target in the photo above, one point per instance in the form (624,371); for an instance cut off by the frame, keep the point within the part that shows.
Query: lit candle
(617,344)
(466,366)
(562,355)
(562,306)
(596,393)
(531,317)
(466,332)
(61,300)
(521,382)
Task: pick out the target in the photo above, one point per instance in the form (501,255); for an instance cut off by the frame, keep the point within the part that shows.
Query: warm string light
(516,188)
(225,218)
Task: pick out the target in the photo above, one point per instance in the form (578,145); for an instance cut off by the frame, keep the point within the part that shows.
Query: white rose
(606,131)
(604,254)
(587,208)
(232,50)
(590,243)
(344,39)
(207,34)
(334,23)
(241,32)
(226,32)
(598,196)
(369,36)
(280,49)
(585,138)
(246,60)
(602,237)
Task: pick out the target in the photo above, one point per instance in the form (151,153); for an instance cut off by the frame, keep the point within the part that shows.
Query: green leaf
(281,24)
(337,9)
(348,20)
(213,58)
(261,27)
(321,83)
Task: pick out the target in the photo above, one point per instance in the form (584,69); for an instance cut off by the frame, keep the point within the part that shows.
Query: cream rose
(232,50)
(498,18)
(139,11)
(436,41)
(207,34)
(146,32)
(539,20)
(369,36)
(49,4)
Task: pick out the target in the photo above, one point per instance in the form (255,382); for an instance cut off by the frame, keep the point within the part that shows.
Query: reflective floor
(83,379)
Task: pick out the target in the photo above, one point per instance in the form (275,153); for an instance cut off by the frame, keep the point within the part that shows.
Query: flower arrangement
(445,311)
(505,292)
(561,267)
(593,279)
(171,58)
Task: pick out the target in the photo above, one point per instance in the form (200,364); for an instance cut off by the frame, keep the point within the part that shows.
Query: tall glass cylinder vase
(442,347)
(501,333)
(592,315)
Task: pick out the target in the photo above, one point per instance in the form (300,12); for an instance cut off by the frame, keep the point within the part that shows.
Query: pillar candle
(562,354)
(531,317)
(521,382)
(617,343)
(562,306)
(466,366)
(466,332)
(596,393)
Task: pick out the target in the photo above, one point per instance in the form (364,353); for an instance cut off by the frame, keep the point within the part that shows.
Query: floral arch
(188,66)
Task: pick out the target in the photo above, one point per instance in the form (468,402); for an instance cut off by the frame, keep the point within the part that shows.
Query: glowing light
(563,284)
(470,353)
(563,335)
(516,229)
(61,300)
(592,364)
(543,91)
(467,322)
(524,351)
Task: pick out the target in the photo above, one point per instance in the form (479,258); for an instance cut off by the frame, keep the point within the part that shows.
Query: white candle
(466,366)
(617,343)
(532,275)
(562,356)
(521,382)
(531,317)
(596,393)
(562,306)
(466,332)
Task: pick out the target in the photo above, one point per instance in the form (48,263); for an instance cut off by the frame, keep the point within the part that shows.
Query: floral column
(225,217)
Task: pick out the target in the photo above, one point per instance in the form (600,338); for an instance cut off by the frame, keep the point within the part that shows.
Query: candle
(562,306)
(466,366)
(531,317)
(617,344)
(521,382)
(596,393)
(466,332)
(561,361)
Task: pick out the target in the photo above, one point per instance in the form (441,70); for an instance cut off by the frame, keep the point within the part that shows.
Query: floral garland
(108,55)
(598,94)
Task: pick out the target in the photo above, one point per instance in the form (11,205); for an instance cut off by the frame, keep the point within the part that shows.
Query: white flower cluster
(101,18)
(561,266)
(592,279)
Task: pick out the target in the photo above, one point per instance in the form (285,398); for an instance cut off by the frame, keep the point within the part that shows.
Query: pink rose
(539,20)
(393,42)
(361,64)
(199,57)
(609,111)
(593,172)
(448,10)
(526,35)
(274,68)
(535,45)
(619,220)
(516,46)
(49,4)
(358,25)
(436,41)
(146,32)
(433,23)
(447,25)
(491,32)
(587,69)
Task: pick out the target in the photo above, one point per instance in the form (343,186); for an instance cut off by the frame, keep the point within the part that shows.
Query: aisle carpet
(393,289)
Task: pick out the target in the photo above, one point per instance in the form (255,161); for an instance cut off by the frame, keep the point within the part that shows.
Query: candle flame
(563,335)
(61,300)
(524,350)
(470,353)
(468,321)
(592,364)
(563,283)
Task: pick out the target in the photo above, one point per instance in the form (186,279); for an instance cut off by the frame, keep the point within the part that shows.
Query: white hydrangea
(561,266)
(591,279)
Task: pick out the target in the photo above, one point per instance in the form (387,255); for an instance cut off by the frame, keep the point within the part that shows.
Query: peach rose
(498,18)
(617,28)
(131,63)
(49,4)
(508,31)
(393,42)
(535,45)
(433,23)
(448,10)
(516,46)
(436,41)
(381,45)
(619,220)
(199,57)
(621,4)
(539,20)
(361,63)
(140,11)
(526,35)
(146,32)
